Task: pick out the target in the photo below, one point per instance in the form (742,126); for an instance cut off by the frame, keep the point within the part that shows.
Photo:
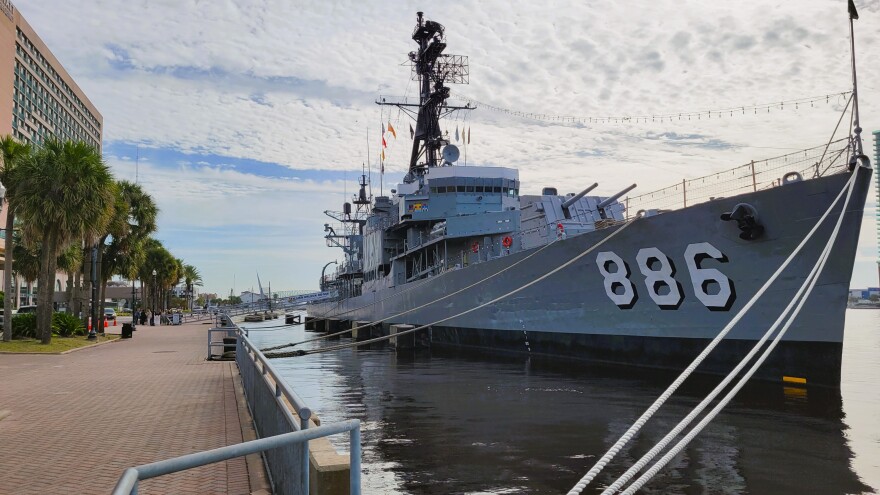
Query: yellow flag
(392,131)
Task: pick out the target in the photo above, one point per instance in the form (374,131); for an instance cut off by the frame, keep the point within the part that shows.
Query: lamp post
(94,278)
(155,292)
(133,305)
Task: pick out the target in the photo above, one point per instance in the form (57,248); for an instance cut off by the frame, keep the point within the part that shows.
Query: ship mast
(432,69)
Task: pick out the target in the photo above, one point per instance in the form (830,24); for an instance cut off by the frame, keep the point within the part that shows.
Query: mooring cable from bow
(637,425)
(447,296)
(493,301)
(787,315)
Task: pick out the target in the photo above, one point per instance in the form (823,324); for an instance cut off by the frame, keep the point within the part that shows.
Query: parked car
(109,314)
(26,309)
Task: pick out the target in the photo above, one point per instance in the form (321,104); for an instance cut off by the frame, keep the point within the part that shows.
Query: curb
(92,346)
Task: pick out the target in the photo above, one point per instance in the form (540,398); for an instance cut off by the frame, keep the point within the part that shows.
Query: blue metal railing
(128,482)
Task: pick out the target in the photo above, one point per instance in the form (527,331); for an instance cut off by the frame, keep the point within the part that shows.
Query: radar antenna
(432,69)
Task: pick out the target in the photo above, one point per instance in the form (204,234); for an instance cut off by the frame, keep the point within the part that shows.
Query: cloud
(294,84)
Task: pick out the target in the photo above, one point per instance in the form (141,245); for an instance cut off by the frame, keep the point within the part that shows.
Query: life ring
(507,241)
(475,247)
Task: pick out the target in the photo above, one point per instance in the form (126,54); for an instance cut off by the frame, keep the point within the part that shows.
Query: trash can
(126,330)
(229,344)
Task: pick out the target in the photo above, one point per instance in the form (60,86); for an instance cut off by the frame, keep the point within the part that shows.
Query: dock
(72,423)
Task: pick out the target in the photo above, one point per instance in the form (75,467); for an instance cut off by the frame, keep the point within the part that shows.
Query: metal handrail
(128,482)
(281,386)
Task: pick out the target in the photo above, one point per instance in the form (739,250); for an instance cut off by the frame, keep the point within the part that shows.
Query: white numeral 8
(617,285)
(657,278)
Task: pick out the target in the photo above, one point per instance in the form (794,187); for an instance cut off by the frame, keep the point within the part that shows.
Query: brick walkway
(78,420)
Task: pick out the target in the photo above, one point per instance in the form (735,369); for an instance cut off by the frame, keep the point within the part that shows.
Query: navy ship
(646,280)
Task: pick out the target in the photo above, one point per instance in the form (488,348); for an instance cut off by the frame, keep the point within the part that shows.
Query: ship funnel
(572,200)
(617,196)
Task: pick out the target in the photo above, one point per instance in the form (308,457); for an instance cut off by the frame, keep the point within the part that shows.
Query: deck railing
(751,177)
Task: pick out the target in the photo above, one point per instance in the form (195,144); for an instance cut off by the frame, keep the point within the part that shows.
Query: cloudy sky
(247,119)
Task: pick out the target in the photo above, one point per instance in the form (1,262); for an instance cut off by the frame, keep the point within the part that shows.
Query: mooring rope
(627,436)
(341,332)
(493,301)
(799,300)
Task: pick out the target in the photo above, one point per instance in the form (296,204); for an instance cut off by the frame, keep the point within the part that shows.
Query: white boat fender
(746,217)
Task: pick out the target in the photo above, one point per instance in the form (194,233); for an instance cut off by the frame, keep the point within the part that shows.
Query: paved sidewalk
(78,420)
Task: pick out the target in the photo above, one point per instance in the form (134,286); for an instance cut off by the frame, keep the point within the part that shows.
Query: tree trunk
(46,289)
(7,277)
(86,291)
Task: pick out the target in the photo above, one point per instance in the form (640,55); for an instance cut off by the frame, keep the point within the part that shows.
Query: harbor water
(438,422)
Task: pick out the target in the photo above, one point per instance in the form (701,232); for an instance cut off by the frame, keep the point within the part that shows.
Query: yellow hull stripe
(793,379)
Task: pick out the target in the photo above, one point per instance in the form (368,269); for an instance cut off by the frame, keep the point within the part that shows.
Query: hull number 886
(710,286)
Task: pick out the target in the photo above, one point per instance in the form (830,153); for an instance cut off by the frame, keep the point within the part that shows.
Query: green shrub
(67,325)
(24,326)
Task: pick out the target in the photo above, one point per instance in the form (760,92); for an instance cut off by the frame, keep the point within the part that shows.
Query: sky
(246,120)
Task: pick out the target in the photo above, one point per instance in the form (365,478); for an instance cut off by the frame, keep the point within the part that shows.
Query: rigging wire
(814,277)
(467,311)
(637,425)
(659,117)
(799,298)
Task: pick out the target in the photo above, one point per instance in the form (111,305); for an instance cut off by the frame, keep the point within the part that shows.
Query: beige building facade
(39,100)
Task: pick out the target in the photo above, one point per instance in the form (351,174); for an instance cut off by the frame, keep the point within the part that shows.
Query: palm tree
(65,192)
(191,277)
(134,217)
(13,153)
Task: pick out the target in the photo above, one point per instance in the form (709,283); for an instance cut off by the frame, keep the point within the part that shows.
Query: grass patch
(58,344)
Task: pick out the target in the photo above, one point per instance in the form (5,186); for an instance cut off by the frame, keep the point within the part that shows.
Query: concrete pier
(366,333)
(420,339)
(310,324)
(333,325)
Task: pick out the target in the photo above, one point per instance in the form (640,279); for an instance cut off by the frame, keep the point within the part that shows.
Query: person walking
(152,318)
(143,313)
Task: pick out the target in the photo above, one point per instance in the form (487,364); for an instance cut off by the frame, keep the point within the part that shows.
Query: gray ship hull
(670,283)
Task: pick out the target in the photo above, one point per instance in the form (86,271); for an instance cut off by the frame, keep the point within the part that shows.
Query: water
(463,423)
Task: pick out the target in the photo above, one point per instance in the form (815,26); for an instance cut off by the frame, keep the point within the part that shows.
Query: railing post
(354,460)
(684,191)
(306,465)
(754,181)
